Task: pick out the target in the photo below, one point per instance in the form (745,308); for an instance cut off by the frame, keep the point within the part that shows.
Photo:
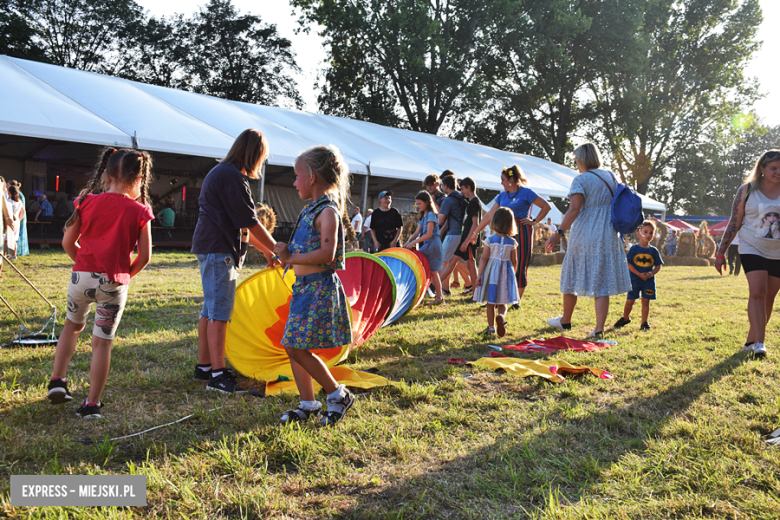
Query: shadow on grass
(516,477)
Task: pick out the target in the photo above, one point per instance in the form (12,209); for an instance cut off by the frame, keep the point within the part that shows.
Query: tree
(17,38)
(545,60)
(422,58)
(703,178)
(95,35)
(687,77)
(237,57)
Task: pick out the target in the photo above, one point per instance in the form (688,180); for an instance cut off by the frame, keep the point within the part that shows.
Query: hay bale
(686,244)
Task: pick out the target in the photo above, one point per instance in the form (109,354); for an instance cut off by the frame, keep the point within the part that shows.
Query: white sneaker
(748,348)
(556,323)
(596,335)
(759,349)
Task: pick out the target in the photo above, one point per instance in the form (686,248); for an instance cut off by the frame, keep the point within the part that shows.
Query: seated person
(45,211)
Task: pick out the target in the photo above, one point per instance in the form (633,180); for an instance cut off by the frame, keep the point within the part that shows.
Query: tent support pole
(261,186)
(663,216)
(365,189)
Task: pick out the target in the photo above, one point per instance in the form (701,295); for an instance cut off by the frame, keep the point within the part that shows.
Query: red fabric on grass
(546,346)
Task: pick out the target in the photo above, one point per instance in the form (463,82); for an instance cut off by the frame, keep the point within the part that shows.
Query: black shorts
(470,252)
(759,263)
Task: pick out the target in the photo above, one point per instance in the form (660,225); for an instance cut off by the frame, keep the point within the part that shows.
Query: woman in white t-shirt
(755,218)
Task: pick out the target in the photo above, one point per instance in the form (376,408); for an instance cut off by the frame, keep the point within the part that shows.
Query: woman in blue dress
(595,262)
(519,199)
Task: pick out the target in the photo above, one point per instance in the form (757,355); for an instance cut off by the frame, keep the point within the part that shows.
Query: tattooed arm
(735,222)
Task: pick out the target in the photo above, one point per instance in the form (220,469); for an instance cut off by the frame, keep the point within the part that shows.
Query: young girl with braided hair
(319,316)
(112,216)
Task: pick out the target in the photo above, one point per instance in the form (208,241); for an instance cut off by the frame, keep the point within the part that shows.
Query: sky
(310,52)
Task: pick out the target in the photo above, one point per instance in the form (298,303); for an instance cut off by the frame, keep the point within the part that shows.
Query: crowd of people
(113,220)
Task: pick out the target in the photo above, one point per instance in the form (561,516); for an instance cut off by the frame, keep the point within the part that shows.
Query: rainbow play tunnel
(380,289)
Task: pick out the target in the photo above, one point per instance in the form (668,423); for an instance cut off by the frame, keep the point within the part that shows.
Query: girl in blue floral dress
(319,315)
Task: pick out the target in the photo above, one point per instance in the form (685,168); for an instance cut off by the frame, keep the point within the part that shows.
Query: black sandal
(337,409)
(299,415)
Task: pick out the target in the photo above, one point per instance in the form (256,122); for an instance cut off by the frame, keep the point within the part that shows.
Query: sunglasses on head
(771,156)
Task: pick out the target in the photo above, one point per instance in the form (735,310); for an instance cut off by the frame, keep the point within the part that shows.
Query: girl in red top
(100,237)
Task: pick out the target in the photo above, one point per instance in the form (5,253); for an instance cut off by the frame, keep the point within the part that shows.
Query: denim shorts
(218,275)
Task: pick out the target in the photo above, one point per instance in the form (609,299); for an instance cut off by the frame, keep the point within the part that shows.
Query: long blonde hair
(755,176)
(332,172)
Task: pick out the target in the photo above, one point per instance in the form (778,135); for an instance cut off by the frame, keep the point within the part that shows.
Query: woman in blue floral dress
(319,315)
(595,262)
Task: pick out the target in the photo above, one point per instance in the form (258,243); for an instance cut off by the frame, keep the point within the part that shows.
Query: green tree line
(658,84)
(216,51)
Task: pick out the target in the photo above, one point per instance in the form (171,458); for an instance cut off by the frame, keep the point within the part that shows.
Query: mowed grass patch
(678,432)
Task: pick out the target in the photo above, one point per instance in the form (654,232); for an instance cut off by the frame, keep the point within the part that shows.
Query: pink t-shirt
(110,224)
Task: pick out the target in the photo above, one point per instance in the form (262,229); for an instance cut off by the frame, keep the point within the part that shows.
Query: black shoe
(446,292)
(645,326)
(202,375)
(91,411)
(622,322)
(337,409)
(515,307)
(58,392)
(225,383)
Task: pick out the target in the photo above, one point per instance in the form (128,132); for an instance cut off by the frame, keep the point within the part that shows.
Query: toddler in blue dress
(496,284)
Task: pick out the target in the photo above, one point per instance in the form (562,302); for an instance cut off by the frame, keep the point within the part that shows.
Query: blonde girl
(318,316)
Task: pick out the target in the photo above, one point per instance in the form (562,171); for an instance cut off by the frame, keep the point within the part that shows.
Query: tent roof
(681,224)
(51,102)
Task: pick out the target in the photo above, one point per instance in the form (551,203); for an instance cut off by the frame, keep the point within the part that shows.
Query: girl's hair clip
(330,152)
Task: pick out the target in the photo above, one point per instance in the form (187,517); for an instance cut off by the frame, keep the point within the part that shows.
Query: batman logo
(649,292)
(643,260)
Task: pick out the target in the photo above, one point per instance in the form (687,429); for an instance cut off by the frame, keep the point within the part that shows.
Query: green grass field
(678,433)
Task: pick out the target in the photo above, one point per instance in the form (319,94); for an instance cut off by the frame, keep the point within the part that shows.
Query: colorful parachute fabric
(557,344)
(407,280)
(551,369)
(254,334)
(370,288)
(380,289)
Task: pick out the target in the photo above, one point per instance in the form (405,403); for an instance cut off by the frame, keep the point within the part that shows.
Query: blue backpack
(626,208)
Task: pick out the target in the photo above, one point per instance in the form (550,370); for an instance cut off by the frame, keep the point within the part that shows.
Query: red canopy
(679,224)
(719,228)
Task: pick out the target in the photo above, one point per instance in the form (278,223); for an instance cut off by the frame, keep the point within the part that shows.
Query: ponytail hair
(124,166)
(95,184)
(516,173)
(332,172)
(136,164)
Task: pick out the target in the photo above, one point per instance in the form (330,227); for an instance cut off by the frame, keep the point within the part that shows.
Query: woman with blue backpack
(595,262)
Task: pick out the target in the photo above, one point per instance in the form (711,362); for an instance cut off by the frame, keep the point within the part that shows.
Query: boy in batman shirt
(644,262)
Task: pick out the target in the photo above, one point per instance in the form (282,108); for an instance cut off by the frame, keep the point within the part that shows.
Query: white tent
(56,103)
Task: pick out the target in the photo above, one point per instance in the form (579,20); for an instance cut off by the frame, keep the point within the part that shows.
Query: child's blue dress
(499,285)
(319,314)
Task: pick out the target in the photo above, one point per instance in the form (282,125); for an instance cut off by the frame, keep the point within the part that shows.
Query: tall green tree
(236,56)
(95,35)
(703,178)
(543,63)
(687,76)
(417,60)
(17,37)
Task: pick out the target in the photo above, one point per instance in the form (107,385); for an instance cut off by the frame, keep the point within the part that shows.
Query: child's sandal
(337,409)
(299,415)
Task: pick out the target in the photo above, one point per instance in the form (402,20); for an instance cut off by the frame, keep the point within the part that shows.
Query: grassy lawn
(678,432)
